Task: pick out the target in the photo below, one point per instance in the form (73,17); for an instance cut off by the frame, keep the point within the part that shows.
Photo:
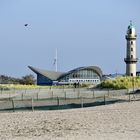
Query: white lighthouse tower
(131,58)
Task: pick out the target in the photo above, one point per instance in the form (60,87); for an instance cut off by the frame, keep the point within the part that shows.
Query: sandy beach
(110,122)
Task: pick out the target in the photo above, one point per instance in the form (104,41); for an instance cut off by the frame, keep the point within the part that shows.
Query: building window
(131,74)
(131,56)
(131,49)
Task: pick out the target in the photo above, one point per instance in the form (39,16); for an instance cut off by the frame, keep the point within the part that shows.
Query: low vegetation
(121,83)
(19,86)
(28,82)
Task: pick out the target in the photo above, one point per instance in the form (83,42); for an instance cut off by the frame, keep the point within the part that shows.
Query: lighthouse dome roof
(131,29)
(131,26)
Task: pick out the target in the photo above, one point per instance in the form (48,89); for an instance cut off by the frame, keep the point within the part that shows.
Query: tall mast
(56,67)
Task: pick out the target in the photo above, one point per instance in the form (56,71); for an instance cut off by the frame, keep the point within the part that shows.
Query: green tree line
(25,80)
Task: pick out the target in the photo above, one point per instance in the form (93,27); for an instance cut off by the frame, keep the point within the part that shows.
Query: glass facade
(85,75)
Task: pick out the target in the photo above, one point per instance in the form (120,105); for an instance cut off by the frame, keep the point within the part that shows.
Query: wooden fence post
(13,106)
(63,88)
(37,96)
(104,100)
(52,94)
(108,92)
(57,100)
(129,97)
(93,94)
(22,96)
(65,95)
(78,93)
(25,91)
(81,102)
(32,104)
(9,95)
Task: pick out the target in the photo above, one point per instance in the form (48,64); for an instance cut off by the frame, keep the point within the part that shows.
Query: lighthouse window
(131,42)
(131,56)
(130,31)
(131,49)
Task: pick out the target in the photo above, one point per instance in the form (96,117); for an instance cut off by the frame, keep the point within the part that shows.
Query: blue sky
(85,32)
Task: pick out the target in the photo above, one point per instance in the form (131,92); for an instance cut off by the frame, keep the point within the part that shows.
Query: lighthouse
(131,58)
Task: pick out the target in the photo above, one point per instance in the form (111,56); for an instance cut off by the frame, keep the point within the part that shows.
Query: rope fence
(49,99)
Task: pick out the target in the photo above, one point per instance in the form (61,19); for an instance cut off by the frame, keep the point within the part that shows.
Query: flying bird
(25,24)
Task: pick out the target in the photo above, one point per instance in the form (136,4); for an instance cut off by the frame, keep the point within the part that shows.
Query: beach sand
(120,121)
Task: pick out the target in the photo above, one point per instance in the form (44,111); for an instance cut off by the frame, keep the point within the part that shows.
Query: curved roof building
(92,74)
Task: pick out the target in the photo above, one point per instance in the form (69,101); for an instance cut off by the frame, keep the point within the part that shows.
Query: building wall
(131,69)
(131,49)
(42,80)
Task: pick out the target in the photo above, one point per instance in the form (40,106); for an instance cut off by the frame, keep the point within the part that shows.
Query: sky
(85,33)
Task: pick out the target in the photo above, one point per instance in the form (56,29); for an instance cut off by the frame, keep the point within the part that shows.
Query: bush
(121,83)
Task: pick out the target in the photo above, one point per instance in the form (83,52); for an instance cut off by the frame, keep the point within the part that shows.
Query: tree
(28,80)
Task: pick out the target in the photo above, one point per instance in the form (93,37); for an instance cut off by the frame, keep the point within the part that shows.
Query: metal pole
(56,63)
